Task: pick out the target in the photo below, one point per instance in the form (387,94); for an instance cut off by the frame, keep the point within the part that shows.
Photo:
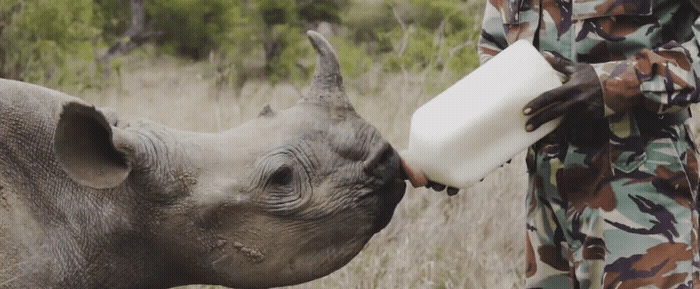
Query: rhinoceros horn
(327,83)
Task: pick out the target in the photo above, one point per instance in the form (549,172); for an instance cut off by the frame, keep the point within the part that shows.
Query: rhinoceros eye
(282,181)
(282,176)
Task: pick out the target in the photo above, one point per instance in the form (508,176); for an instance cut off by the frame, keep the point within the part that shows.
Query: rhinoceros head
(282,199)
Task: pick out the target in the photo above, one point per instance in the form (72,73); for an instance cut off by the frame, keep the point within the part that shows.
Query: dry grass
(472,240)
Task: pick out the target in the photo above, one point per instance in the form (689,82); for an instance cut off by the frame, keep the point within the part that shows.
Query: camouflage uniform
(612,202)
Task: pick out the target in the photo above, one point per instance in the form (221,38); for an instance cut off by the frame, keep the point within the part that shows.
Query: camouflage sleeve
(663,80)
(492,39)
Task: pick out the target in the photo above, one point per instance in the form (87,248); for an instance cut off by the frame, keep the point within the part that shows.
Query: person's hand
(438,187)
(580,97)
(418,179)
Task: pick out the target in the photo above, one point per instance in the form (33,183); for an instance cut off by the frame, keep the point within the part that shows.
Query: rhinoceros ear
(90,150)
(327,83)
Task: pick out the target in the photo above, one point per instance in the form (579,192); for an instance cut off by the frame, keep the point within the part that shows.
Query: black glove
(579,98)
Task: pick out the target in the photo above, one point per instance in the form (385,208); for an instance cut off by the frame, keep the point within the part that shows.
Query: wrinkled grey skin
(88,200)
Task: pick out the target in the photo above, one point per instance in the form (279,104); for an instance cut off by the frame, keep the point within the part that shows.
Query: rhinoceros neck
(16,132)
(56,233)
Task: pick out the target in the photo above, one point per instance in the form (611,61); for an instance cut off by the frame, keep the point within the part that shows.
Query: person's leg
(639,229)
(547,253)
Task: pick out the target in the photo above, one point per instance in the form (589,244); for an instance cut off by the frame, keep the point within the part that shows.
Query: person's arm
(492,39)
(662,80)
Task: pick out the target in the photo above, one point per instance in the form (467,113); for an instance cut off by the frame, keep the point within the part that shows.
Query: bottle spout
(415,177)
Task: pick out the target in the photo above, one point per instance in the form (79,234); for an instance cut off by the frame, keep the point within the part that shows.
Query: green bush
(353,58)
(112,17)
(321,10)
(193,27)
(437,30)
(49,42)
(56,42)
(438,34)
(240,30)
(287,62)
(284,41)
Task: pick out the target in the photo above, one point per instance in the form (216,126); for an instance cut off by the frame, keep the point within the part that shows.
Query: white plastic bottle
(477,124)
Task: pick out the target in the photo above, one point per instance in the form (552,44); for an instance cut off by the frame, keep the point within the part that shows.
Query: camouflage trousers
(599,216)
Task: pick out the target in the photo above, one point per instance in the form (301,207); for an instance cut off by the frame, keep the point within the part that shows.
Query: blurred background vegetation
(77,43)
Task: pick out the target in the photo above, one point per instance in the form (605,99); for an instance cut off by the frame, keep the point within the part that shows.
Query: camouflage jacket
(644,51)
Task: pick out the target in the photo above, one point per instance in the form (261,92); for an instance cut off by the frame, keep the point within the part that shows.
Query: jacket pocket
(626,145)
(585,9)
(672,162)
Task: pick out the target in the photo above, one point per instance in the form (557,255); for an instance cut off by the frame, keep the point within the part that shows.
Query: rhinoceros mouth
(390,196)
(387,169)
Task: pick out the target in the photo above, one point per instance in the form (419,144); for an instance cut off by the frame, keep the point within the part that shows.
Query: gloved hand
(580,97)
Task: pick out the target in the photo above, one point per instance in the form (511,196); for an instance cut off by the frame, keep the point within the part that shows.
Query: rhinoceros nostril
(378,155)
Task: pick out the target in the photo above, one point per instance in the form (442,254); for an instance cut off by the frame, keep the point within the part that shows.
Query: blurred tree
(311,11)
(55,42)
(138,32)
(45,41)
(114,18)
(192,27)
(282,39)
(285,43)
(233,32)
(8,8)
(433,34)
(418,34)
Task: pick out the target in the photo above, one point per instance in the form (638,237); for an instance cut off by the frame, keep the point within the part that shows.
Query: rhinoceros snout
(384,164)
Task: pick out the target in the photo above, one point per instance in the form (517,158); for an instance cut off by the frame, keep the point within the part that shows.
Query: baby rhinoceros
(88,200)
